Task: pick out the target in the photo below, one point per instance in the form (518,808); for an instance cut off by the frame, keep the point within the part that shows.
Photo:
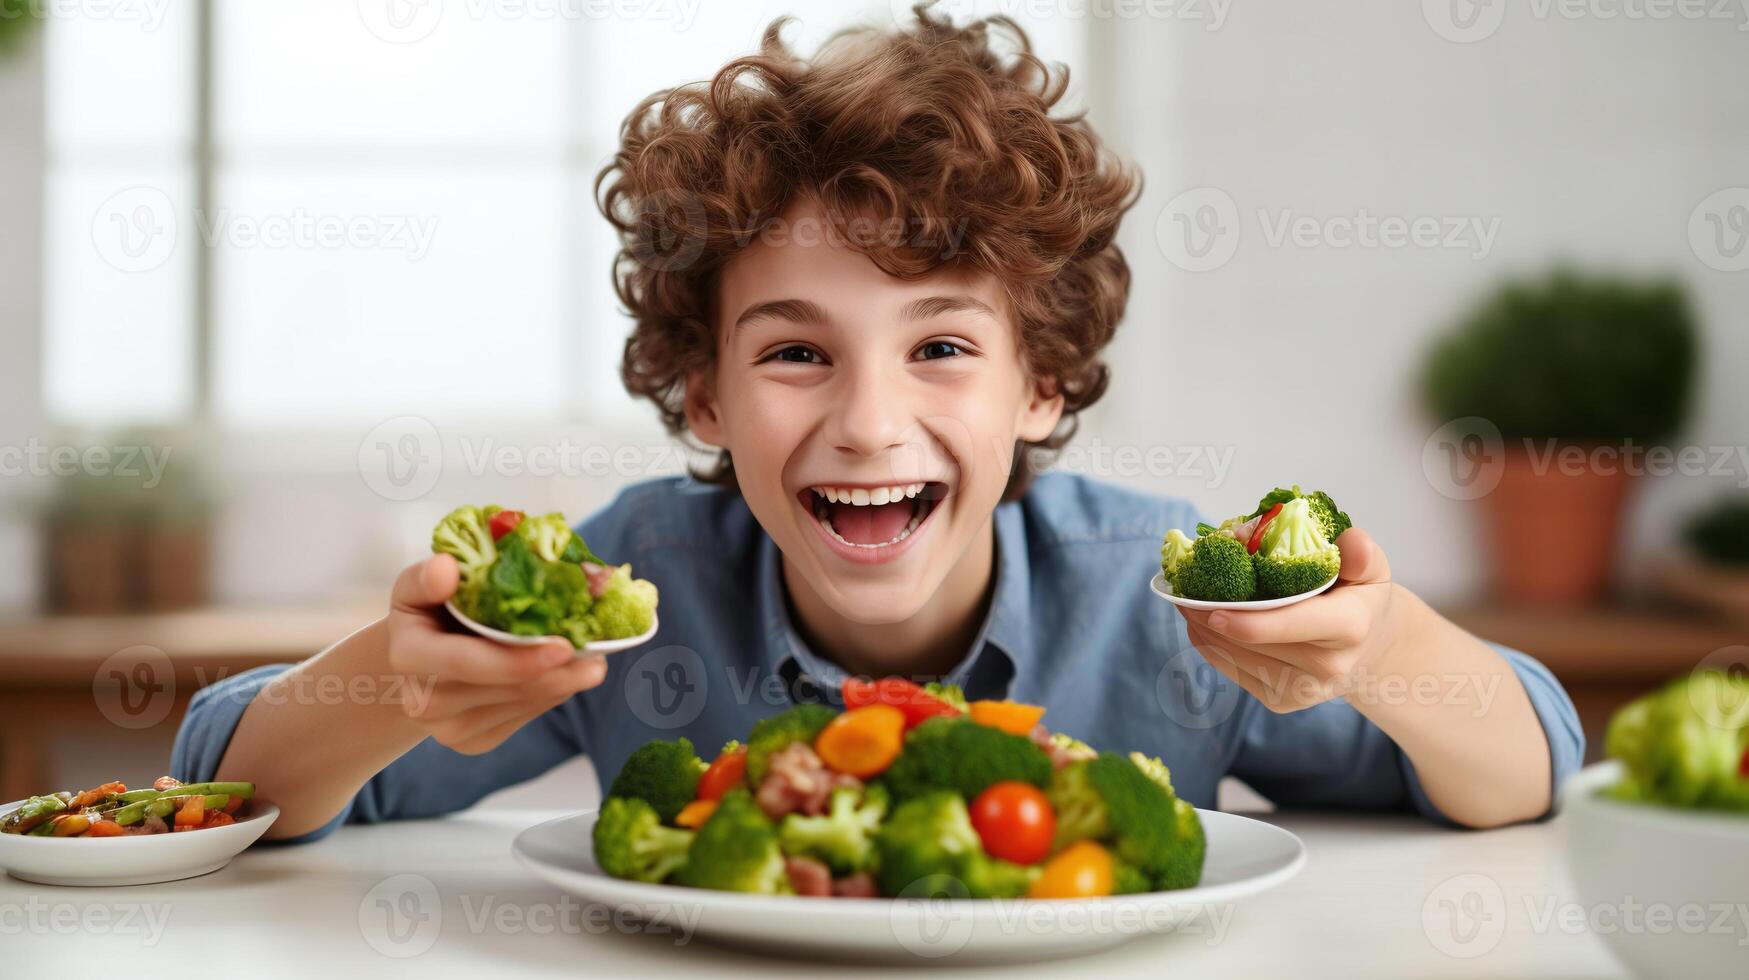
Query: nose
(869,413)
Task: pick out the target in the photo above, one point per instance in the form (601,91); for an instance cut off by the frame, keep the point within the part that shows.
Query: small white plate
(1244,857)
(1163,589)
(140,860)
(598,647)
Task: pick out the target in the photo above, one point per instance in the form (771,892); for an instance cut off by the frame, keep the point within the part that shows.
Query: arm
(1481,749)
(313,736)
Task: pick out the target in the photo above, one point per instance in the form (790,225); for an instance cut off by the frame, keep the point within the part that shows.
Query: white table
(1374,901)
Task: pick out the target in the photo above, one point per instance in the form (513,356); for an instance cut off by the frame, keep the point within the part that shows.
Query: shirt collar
(1003,644)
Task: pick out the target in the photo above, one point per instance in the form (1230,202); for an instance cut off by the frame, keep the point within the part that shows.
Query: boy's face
(872,420)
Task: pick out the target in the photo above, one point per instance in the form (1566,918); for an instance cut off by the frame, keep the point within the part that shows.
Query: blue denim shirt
(1072,626)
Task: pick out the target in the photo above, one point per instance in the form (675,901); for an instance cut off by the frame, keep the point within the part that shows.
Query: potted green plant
(1582,375)
(1713,571)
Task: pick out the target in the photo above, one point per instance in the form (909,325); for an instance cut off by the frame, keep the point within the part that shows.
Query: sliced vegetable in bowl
(527,578)
(113,810)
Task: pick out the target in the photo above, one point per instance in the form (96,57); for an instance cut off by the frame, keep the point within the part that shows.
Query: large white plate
(1163,589)
(1244,857)
(138,860)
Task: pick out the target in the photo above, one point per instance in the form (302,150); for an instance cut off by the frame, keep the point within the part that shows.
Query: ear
(1040,413)
(700,405)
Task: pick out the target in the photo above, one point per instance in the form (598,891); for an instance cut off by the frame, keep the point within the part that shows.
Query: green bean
(32,811)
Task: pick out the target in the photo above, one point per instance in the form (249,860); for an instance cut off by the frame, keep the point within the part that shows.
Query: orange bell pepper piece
(1012,717)
(863,741)
(694,814)
(105,828)
(191,813)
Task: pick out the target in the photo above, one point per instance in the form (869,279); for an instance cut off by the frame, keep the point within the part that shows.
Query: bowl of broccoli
(905,807)
(1281,553)
(524,579)
(1661,829)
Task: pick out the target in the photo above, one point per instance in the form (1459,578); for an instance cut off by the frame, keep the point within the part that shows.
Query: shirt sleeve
(1332,756)
(428,781)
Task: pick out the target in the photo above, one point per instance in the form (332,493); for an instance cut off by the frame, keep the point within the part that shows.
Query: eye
(796,354)
(937,349)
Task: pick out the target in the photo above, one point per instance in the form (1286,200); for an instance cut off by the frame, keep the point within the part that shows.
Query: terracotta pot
(1553,528)
(174,559)
(89,566)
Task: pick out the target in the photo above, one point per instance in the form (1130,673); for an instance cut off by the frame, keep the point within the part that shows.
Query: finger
(492,737)
(559,683)
(1227,667)
(1258,666)
(417,646)
(425,584)
(1340,616)
(452,698)
(1279,685)
(464,733)
(1363,561)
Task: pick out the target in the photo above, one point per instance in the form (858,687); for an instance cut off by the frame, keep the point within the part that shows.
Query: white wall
(1590,139)
(21,161)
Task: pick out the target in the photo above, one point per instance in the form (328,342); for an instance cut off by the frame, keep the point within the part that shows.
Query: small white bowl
(1163,589)
(596,648)
(140,860)
(1629,859)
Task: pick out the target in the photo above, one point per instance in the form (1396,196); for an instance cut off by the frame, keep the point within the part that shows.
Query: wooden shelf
(1605,644)
(64,650)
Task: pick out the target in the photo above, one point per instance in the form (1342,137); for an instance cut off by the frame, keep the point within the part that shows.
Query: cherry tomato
(1015,821)
(912,700)
(723,775)
(503,523)
(1082,870)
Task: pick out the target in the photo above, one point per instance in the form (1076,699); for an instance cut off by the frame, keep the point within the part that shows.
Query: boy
(879,282)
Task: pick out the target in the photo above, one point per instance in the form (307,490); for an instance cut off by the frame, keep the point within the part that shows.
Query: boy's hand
(482,691)
(1313,651)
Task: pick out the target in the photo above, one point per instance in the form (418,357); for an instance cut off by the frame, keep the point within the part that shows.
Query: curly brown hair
(945,129)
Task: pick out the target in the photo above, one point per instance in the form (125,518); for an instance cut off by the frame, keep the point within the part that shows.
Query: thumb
(427,583)
(1363,561)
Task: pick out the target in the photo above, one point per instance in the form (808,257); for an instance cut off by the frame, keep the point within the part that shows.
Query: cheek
(975,420)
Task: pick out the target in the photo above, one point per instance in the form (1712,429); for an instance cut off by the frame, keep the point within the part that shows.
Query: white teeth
(865,497)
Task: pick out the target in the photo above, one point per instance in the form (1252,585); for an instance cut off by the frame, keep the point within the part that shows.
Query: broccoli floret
(1081,814)
(1184,868)
(626,608)
(950,693)
(1114,798)
(1294,556)
(1174,553)
(843,836)
(630,841)
(1331,521)
(463,535)
(1219,570)
(736,850)
(799,724)
(963,756)
(661,773)
(1127,879)
(1155,770)
(1684,744)
(547,535)
(928,847)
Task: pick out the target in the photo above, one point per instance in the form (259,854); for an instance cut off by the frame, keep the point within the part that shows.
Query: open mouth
(872,517)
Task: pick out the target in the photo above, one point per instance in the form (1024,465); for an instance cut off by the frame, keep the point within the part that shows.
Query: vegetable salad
(113,810)
(1287,546)
(907,791)
(534,576)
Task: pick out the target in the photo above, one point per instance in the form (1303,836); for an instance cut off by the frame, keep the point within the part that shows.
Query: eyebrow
(807,311)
